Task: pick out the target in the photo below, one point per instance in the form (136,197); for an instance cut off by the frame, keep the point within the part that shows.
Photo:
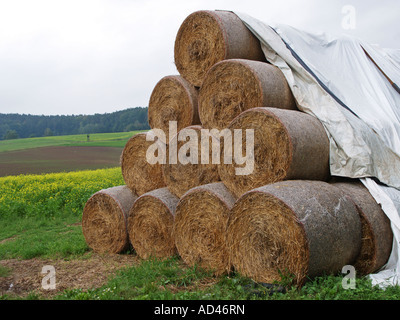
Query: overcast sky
(100,56)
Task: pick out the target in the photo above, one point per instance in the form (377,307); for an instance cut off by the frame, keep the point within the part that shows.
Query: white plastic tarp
(334,80)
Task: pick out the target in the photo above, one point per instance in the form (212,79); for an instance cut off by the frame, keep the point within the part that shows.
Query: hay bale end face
(189,170)
(150,224)
(104,219)
(173,99)
(140,175)
(233,86)
(207,37)
(200,226)
(288,145)
(377,235)
(298,229)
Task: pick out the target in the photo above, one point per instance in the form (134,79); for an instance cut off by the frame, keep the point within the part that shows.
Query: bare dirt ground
(58,159)
(90,271)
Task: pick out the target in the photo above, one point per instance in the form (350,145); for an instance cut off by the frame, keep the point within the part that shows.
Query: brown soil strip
(26,275)
(58,159)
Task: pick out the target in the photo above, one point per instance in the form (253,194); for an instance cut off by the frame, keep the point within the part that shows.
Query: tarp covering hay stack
(289,146)
(284,217)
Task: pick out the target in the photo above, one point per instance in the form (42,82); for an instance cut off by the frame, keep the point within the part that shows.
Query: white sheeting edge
(389,200)
(356,150)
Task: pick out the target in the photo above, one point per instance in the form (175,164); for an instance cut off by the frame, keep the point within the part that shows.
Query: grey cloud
(129,47)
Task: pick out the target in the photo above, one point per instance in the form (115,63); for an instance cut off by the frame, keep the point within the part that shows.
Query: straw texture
(140,175)
(207,37)
(233,86)
(173,99)
(200,226)
(288,145)
(104,219)
(189,170)
(150,224)
(298,229)
(377,235)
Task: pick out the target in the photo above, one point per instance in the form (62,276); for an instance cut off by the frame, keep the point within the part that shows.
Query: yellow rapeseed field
(48,194)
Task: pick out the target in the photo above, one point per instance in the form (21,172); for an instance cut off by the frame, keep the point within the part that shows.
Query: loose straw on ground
(288,144)
(104,219)
(150,224)
(296,229)
(233,86)
(200,226)
(207,37)
(173,99)
(377,235)
(139,174)
(189,169)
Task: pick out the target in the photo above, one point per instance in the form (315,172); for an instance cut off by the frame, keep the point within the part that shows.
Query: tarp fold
(333,79)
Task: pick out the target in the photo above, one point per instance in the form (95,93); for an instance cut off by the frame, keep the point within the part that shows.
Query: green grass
(170,280)
(116,139)
(57,237)
(152,279)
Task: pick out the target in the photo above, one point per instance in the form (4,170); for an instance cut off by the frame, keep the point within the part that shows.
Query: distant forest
(13,126)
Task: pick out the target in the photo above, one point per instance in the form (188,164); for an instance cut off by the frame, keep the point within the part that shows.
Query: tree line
(13,126)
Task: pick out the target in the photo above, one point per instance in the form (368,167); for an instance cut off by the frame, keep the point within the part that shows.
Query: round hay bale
(207,37)
(200,225)
(104,219)
(150,224)
(233,86)
(296,229)
(140,175)
(377,235)
(173,99)
(288,145)
(189,170)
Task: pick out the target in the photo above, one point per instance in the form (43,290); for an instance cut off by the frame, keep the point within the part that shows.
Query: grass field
(40,218)
(116,139)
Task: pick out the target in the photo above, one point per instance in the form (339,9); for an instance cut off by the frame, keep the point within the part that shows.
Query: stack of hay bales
(285,217)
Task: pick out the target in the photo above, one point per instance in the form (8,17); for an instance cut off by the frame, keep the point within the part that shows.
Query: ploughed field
(61,153)
(58,159)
